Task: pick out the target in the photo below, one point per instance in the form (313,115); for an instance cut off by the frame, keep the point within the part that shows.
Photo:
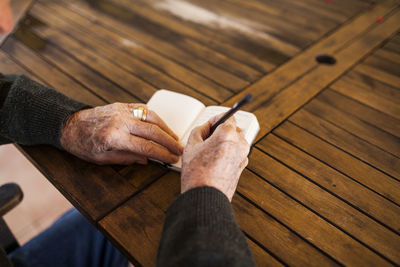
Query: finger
(145,148)
(244,163)
(154,133)
(215,118)
(121,158)
(152,117)
(231,120)
(199,134)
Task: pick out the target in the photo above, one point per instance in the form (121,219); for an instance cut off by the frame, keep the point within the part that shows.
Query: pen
(246,99)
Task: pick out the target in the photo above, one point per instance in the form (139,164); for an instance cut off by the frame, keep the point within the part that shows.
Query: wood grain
(156,42)
(319,205)
(363,112)
(287,90)
(363,173)
(93,190)
(364,131)
(348,142)
(123,59)
(222,54)
(43,69)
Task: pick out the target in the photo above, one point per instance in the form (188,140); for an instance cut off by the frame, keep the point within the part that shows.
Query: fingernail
(181,148)
(174,159)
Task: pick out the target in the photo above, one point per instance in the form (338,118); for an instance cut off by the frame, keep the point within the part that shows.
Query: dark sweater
(200,228)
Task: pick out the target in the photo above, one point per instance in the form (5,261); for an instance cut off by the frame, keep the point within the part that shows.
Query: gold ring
(140,113)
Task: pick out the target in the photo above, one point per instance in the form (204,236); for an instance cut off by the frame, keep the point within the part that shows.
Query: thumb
(199,134)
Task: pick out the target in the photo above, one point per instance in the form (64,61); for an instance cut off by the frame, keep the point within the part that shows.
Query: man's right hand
(216,161)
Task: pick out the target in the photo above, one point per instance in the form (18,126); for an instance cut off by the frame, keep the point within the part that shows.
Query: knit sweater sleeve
(200,230)
(32,114)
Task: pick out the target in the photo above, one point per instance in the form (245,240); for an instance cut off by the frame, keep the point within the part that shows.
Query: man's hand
(216,161)
(6,18)
(111,135)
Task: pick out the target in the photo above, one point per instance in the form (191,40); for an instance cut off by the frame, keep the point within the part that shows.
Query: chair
(10,196)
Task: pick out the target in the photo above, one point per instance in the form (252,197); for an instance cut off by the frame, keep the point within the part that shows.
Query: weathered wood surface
(323,182)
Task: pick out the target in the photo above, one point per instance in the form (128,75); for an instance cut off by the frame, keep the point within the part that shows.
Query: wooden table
(323,182)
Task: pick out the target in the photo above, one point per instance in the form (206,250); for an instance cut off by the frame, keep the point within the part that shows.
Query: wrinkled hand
(111,135)
(6,17)
(216,161)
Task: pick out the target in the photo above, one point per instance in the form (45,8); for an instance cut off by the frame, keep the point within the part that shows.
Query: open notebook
(182,113)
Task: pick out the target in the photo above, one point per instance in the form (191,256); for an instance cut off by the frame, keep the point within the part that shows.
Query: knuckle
(148,148)
(228,133)
(109,136)
(152,130)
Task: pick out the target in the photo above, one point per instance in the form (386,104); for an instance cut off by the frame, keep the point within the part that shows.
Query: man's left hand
(111,135)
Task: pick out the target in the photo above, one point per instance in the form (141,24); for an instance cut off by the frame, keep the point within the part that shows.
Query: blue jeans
(71,241)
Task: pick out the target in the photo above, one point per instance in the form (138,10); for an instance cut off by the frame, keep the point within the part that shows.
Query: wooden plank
(261,257)
(225,19)
(279,100)
(357,127)
(289,34)
(371,95)
(341,161)
(142,175)
(209,39)
(393,46)
(135,229)
(377,86)
(106,68)
(298,15)
(276,238)
(342,6)
(121,58)
(319,11)
(182,58)
(221,54)
(379,75)
(332,181)
(388,55)
(44,70)
(361,111)
(9,66)
(307,223)
(27,44)
(122,42)
(123,229)
(384,65)
(349,143)
(296,12)
(93,190)
(303,63)
(224,27)
(149,34)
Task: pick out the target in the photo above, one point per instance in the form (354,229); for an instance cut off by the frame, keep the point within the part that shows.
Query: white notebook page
(178,111)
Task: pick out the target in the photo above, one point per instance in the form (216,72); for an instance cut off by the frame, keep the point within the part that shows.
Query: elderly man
(200,227)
